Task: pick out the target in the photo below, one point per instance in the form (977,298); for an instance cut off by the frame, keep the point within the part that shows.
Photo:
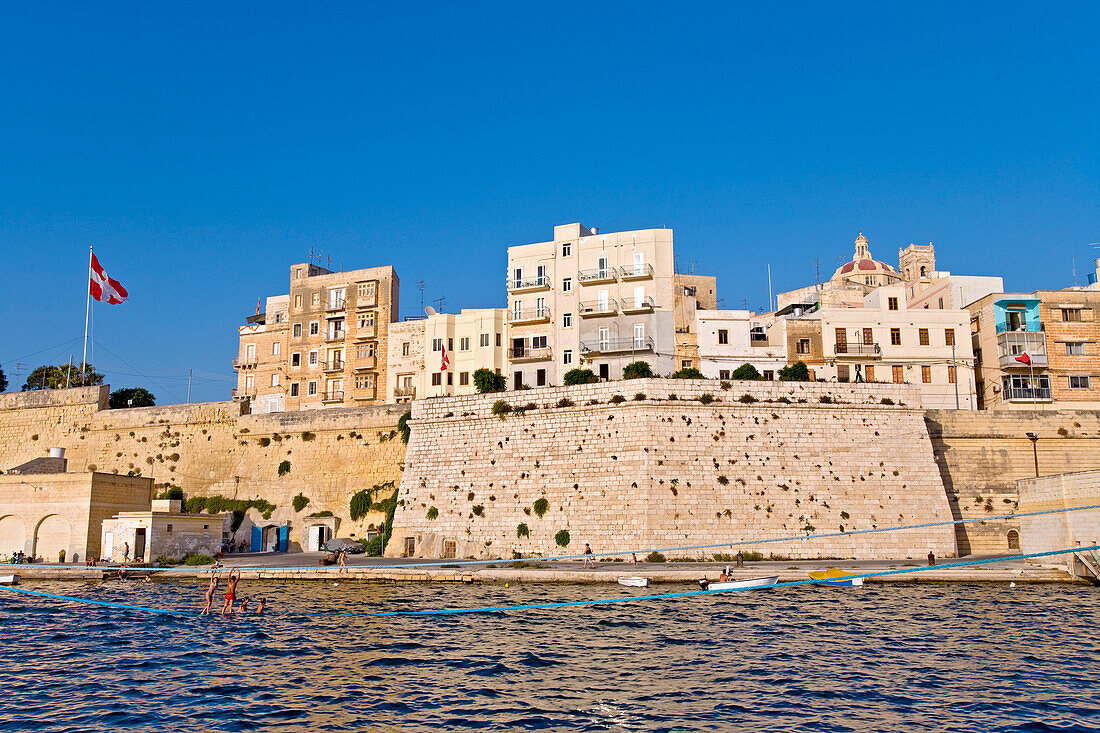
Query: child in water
(260,606)
(231,590)
(210,593)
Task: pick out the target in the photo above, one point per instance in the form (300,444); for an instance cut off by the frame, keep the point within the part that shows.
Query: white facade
(726,341)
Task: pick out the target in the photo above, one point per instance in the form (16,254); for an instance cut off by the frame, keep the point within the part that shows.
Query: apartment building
(886,341)
(691,293)
(590,300)
(729,338)
(1037,350)
(321,345)
(471,339)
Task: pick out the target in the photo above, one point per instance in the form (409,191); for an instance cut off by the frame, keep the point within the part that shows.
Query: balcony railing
(1035,394)
(334,335)
(244,362)
(535,283)
(529,315)
(333,365)
(1011,344)
(636,271)
(615,346)
(636,305)
(525,354)
(405,392)
(597,275)
(336,304)
(588,308)
(334,396)
(1020,328)
(857,349)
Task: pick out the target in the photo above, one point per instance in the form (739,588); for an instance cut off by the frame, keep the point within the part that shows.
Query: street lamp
(1034,438)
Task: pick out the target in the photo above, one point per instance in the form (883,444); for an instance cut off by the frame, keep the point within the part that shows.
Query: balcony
(1020,328)
(524,354)
(595,308)
(335,304)
(331,336)
(333,365)
(1026,394)
(529,315)
(334,396)
(617,346)
(530,285)
(1011,344)
(367,362)
(407,393)
(248,362)
(636,305)
(366,332)
(363,393)
(596,276)
(366,301)
(640,271)
(858,350)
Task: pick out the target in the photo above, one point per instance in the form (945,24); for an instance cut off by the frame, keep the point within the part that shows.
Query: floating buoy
(1012,584)
(505,585)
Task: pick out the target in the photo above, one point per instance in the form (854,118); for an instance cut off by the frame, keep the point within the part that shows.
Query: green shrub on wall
(580,376)
(403,426)
(562,538)
(300,502)
(522,531)
(284,468)
(541,506)
(218,504)
(432,512)
(637,370)
(688,373)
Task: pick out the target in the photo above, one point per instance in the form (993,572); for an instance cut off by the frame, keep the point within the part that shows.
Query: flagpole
(87,314)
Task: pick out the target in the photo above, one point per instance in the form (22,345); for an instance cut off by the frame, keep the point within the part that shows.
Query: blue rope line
(451,563)
(562,604)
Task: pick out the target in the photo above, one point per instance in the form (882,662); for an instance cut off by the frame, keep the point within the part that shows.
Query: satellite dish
(429,311)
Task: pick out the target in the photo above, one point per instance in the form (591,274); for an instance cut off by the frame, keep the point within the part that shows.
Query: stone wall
(211,448)
(1060,531)
(981,455)
(670,470)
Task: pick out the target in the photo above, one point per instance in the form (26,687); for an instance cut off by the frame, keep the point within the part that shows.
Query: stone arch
(1013,540)
(51,535)
(13,534)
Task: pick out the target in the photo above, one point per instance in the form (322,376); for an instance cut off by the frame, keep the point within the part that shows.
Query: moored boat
(9,579)
(835,577)
(634,582)
(746,584)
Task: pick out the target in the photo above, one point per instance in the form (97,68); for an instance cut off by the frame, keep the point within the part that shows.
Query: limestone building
(1057,330)
(851,281)
(925,287)
(729,338)
(322,345)
(692,293)
(162,530)
(405,361)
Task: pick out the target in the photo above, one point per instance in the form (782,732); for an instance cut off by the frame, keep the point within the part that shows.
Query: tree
(580,376)
(746,371)
(3,381)
(797,372)
(132,397)
(688,373)
(637,370)
(48,376)
(486,380)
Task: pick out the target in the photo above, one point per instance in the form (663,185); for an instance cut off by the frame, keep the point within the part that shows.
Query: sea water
(889,657)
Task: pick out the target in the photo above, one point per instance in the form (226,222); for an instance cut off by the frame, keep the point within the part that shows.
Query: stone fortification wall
(211,448)
(764,459)
(981,456)
(1048,532)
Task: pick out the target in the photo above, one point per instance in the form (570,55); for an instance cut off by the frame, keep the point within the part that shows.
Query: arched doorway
(1013,540)
(50,537)
(13,535)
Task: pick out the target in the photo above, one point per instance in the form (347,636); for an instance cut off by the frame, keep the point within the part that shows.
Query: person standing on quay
(740,559)
(588,560)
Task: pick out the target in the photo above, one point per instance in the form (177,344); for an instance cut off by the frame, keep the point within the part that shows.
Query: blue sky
(204,147)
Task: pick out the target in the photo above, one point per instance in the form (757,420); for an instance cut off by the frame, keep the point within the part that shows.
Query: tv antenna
(420,287)
(439,302)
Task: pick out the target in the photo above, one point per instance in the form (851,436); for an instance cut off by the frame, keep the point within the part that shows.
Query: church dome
(864,269)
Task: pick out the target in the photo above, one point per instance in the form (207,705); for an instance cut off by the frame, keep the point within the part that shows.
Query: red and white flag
(102,287)
(1024,358)
(445,362)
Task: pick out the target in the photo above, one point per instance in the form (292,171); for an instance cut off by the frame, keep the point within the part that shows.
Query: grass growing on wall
(541,507)
(522,531)
(300,502)
(217,504)
(284,468)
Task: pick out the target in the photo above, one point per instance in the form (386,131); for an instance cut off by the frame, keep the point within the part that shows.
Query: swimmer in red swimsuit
(231,590)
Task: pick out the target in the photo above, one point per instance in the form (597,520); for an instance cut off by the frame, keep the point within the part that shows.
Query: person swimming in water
(210,593)
(243,608)
(231,590)
(261,602)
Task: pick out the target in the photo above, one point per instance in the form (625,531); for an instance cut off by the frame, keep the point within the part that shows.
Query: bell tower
(917,262)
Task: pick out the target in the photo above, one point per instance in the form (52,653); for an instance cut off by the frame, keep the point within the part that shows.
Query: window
(517,277)
(275,379)
(366,290)
(365,320)
(298,302)
(463,378)
(895,337)
(364,381)
(723,373)
(949,337)
(293,389)
(685,363)
(540,377)
(926,374)
(315,299)
(297,330)
(313,358)
(1075,349)
(484,340)
(498,339)
(868,337)
(566,249)
(567,285)
(540,275)
(802,347)
(464,343)
(869,372)
(450,344)
(941,304)
(923,333)
(950,375)
(311,389)
(169,529)
(723,336)
(1071,314)
(601,267)
(437,344)
(538,342)
(249,382)
(1078,382)
(405,349)
(567,357)
(364,351)
(296,359)
(437,379)
(639,335)
(842,374)
(899,373)
(250,352)
(567,320)
(336,298)
(314,328)
(276,348)
(892,304)
(769,375)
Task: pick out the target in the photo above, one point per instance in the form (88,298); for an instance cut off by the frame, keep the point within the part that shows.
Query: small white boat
(746,584)
(9,579)
(634,582)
